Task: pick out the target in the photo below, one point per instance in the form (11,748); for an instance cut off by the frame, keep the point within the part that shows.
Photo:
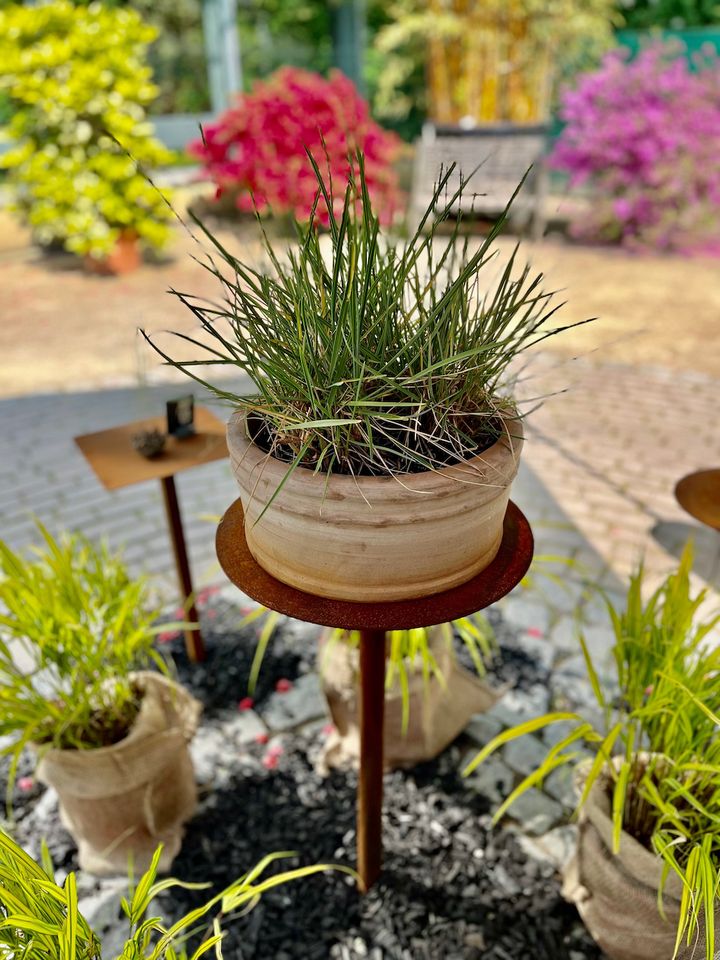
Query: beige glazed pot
(374,539)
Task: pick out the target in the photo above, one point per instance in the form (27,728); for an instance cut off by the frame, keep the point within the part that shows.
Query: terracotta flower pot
(373,539)
(125,799)
(124,258)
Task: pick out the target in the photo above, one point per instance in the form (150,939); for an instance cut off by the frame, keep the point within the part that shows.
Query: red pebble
(283,685)
(535,632)
(275,750)
(204,595)
(261,738)
(270,761)
(25,784)
(328,729)
(168,635)
(247,703)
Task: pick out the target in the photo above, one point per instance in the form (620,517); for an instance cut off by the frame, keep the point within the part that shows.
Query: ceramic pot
(123,258)
(374,539)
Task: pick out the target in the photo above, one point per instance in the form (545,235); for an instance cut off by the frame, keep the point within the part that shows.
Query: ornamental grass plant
(371,357)
(41,920)
(658,752)
(73,627)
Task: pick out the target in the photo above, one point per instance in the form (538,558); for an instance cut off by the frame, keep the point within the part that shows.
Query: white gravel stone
(304,702)
(559,785)
(493,779)
(556,847)
(517,706)
(564,635)
(522,614)
(536,812)
(539,648)
(104,914)
(525,754)
(209,751)
(243,726)
(482,728)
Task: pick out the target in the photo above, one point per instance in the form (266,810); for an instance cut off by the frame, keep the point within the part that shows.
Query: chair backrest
(503,153)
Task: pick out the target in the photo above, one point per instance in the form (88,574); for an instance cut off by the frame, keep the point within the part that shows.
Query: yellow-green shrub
(77,81)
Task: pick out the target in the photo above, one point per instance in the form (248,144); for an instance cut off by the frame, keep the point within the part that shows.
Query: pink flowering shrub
(646,135)
(256,150)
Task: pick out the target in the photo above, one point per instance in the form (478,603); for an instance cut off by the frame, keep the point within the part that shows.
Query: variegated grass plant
(73,626)
(367,356)
(40,920)
(659,748)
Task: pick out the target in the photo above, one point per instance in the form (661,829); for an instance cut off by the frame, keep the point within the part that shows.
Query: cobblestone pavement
(611,450)
(43,474)
(599,467)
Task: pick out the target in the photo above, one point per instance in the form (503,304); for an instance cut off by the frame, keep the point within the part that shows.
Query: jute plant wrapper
(437,713)
(617,894)
(696,950)
(127,798)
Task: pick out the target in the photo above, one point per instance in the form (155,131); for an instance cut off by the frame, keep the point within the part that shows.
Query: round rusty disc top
(505,572)
(699,494)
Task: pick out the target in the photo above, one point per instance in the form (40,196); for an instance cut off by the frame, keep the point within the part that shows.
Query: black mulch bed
(452,887)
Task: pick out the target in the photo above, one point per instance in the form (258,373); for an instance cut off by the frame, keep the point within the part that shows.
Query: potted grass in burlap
(376,449)
(111,735)
(646,876)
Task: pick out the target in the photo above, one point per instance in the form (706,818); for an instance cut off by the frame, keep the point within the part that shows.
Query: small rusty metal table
(116,464)
(373,620)
(699,494)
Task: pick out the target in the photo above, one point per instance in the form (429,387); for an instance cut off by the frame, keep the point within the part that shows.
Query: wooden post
(370,786)
(193,639)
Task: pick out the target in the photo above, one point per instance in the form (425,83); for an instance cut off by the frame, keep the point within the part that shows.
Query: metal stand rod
(193,639)
(370,786)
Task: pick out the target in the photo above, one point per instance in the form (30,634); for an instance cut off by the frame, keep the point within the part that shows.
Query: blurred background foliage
(299,33)
(669,14)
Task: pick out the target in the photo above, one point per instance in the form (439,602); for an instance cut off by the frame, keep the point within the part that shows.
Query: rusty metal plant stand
(699,494)
(373,620)
(116,464)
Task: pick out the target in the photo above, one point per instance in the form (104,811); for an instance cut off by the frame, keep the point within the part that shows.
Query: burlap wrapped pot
(127,798)
(438,713)
(617,894)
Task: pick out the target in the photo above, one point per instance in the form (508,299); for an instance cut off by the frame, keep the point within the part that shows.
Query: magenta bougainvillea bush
(256,151)
(646,134)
